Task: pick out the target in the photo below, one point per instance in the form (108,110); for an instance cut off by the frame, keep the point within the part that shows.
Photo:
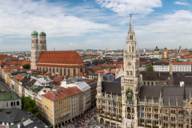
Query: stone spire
(99,84)
(130,79)
(130,23)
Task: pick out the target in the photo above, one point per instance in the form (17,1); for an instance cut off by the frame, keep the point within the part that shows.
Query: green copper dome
(34,33)
(42,34)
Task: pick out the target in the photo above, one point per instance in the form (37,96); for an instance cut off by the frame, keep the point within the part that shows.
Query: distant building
(165,54)
(173,66)
(157,53)
(65,63)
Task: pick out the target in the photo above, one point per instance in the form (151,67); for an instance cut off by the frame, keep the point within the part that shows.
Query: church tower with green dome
(34,50)
(37,46)
(42,42)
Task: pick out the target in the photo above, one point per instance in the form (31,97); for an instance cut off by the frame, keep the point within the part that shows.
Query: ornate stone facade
(144,100)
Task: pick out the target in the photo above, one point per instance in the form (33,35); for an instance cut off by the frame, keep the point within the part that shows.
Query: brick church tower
(37,46)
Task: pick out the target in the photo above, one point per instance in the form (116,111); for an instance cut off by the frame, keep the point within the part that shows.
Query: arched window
(17,103)
(131,73)
(131,37)
(133,49)
(129,48)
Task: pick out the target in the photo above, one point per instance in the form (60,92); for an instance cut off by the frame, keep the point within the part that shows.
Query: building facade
(109,102)
(141,99)
(174,66)
(61,106)
(8,99)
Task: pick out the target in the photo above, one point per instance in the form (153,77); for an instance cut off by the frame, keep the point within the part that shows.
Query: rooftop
(112,87)
(61,93)
(170,95)
(4,96)
(17,117)
(60,58)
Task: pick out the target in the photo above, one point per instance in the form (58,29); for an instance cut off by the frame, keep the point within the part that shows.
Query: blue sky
(97,24)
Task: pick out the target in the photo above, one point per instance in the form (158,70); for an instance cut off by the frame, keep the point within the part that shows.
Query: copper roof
(60,58)
(62,93)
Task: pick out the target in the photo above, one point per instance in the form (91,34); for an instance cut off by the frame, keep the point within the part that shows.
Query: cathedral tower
(130,81)
(42,42)
(34,50)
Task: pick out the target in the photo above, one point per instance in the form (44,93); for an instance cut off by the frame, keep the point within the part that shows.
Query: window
(133,49)
(130,49)
(74,71)
(131,37)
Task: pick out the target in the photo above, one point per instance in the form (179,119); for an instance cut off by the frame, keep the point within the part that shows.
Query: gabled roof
(2,57)
(112,87)
(62,93)
(171,95)
(60,58)
(153,76)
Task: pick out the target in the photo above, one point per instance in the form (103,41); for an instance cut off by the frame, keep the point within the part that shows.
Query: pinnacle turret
(130,23)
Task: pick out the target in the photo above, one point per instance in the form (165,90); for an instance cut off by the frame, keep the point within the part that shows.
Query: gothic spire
(130,23)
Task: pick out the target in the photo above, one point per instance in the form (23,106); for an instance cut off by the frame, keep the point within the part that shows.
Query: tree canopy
(30,105)
(27,66)
(149,68)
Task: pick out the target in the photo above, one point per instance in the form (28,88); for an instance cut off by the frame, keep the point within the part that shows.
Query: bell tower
(129,81)
(42,42)
(34,50)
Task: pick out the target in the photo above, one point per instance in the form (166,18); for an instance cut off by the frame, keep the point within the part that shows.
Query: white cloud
(169,30)
(124,7)
(182,3)
(23,16)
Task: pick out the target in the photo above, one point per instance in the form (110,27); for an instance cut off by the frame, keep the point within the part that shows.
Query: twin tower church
(65,63)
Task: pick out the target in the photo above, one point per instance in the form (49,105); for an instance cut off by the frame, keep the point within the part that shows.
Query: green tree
(30,105)
(149,68)
(27,66)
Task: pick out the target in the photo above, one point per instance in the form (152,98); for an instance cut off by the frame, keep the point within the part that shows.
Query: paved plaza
(88,120)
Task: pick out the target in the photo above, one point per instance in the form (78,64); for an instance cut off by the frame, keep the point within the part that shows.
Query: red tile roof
(189,56)
(19,77)
(2,56)
(62,93)
(59,58)
(182,63)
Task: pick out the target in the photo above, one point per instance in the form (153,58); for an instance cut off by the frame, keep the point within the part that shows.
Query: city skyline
(96,24)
